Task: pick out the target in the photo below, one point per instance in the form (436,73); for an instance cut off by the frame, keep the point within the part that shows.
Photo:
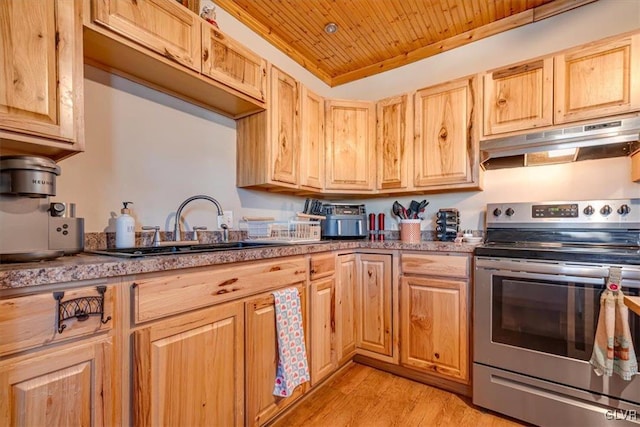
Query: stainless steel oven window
(550,316)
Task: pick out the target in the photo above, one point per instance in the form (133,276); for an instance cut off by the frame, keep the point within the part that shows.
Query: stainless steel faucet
(176,229)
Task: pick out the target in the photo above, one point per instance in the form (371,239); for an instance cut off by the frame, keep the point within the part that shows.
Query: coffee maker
(31,227)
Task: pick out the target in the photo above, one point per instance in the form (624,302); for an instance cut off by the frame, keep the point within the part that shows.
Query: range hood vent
(613,138)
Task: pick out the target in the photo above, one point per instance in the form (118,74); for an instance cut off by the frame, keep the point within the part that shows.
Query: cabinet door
(231,63)
(41,89)
(433,326)
(323,355)
(598,81)
(190,370)
(311,140)
(163,26)
(350,151)
(284,122)
(346,281)
(394,142)
(446,150)
(262,359)
(519,97)
(69,386)
(374,304)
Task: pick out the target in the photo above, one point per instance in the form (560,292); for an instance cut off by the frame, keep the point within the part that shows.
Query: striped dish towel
(293,368)
(613,347)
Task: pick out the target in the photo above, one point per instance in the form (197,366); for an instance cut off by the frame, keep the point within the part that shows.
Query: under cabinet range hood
(597,140)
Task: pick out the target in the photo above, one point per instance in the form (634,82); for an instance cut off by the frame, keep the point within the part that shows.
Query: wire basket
(294,231)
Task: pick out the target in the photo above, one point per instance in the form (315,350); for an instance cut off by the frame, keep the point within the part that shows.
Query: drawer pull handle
(79,308)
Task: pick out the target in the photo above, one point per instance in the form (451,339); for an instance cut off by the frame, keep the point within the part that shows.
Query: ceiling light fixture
(331,28)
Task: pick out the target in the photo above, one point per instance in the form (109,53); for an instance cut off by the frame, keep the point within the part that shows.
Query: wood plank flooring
(367,397)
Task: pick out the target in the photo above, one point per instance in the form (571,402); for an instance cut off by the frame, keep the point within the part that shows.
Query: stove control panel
(555,211)
(618,213)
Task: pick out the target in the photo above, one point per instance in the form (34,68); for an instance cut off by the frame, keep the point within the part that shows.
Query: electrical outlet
(225,218)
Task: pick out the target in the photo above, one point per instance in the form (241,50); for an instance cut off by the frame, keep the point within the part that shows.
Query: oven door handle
(627,283)
(551,277)
(536,267)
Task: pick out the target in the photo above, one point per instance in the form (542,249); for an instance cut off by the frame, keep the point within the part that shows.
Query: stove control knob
(589,210)
(624,209)
(606,210)
(497,212)
(509,212)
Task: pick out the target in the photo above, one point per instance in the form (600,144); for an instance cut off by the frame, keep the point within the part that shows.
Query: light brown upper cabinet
(599,80)
(446,136)
(311,140)
(268,142)
(394,142)
(350,150)
(167,47)
(518,97)
(594,81)
(41,89)
(162,26)
(231,63)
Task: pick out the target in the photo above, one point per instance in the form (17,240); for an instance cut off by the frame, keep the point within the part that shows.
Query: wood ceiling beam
(556,7)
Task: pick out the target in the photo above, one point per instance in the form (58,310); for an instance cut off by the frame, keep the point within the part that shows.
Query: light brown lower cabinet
(323,327)
(189,370)
(434,320)
(262,358)
(346,282)
(69,385)
(374,306)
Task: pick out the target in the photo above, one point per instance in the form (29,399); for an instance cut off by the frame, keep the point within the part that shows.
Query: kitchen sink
(179,249)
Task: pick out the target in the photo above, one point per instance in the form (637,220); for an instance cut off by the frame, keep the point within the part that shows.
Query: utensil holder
(410,230)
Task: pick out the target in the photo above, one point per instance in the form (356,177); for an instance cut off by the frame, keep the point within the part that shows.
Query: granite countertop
(86,266)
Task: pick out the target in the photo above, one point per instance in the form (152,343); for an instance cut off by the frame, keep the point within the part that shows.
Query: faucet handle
(225,232)
(195,231)
(156,236)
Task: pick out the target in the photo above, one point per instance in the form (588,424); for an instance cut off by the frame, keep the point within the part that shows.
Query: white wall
(155,150)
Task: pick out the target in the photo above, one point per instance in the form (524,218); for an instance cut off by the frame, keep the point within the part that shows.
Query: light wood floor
(364,396)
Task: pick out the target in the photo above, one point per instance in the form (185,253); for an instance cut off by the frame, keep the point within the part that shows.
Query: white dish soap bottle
(125,228)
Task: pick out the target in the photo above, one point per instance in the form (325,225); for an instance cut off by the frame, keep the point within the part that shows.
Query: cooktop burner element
(590,231)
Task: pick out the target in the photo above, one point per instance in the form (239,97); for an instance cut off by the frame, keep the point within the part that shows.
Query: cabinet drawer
(322,266)
(30,321)
(436,265)
(160,295)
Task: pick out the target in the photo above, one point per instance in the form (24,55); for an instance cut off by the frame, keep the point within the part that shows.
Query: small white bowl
(473,240)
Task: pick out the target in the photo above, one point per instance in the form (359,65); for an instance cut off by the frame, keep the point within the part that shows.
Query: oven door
(539,318)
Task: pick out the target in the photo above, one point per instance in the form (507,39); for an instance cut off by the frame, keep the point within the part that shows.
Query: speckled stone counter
(88,266)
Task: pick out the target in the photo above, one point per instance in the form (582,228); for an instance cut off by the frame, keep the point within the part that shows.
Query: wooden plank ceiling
(378,35)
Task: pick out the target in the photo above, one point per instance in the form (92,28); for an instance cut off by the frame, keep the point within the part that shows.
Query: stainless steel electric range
(537,284)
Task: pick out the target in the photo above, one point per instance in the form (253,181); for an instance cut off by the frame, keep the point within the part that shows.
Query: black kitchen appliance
(344,221)
(537,285)
(447,224)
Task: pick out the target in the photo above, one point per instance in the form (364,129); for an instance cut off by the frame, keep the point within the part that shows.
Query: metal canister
(30,176)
